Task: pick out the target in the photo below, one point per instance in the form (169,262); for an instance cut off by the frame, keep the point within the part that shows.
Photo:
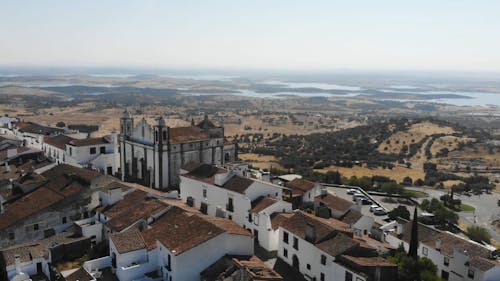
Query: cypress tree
(413,251)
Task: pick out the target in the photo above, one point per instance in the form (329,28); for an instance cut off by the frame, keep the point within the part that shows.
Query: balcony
(230,207)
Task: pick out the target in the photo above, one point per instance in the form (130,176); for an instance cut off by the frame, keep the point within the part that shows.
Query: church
(153,154)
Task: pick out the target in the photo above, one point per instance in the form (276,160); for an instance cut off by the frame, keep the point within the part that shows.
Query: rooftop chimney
(438,244)
(310,232)
(323,192)
(18,264)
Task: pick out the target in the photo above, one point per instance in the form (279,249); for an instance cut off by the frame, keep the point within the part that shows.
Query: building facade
(152,155)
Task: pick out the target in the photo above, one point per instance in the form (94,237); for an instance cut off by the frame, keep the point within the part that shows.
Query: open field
(414,134)
(449,142)
(261,161)
(398,173)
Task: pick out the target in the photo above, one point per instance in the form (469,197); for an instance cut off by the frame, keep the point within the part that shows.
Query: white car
(379,211)
(373,207)
(351,191)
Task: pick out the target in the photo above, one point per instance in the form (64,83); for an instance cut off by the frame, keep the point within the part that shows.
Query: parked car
(373,207)
(351,191)
(366,201)
(357,196)
(379,211)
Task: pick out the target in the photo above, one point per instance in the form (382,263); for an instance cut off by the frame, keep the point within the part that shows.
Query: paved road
(485,204)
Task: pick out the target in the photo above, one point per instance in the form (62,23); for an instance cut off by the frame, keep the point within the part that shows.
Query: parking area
(365,209)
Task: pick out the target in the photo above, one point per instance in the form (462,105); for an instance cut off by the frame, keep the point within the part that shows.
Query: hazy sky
(253,34)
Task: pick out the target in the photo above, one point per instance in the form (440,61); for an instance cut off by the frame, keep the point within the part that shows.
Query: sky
(449,35)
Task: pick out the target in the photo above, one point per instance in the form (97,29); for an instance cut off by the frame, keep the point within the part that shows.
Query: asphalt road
(485,204)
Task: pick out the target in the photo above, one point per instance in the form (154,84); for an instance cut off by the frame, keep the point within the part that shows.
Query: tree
(407,181)
(399,212)
(478,234)
(391,187)
(409,269)
(413,251)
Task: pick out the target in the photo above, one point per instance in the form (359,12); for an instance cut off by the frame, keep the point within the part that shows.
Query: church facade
(153,154)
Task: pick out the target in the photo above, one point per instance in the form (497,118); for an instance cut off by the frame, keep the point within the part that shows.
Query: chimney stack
(310,232)
(438,244)
(18,264)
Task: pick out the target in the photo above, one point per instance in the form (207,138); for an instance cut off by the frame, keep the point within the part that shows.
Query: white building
(153,154)
(260,221)
(220,192)
(302,191)
(177,246)
(94,153)
(325,249)
(457,258)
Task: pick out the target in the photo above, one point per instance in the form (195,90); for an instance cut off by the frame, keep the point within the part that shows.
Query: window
(70,151)
(164,135)
(93,150)
(308,267)
(156,136)
(445,275)
(204,193)
(285,237)
(64,219)
(321,276)
(230,206)
(12,236)
(348,276)
(168,262)
(102,149)
(323,259)
(446,261)
(424,251)
(285,253)
(470,274)
(35,226)
(256,219)
(295,243)
(203,208)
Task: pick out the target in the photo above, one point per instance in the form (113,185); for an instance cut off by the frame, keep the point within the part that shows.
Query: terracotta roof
(128,241)
(369,261)
(133,207)
(325,228)
(352,217)
(58,141)
(37,249)
(37,129)
(89,141)
(337,245)
(278,218)
(205,173)
(237,184)
(449,242)
(334,202)
(79,275)
(300,186)
(180,231)
(483,264)
(256,269)
(186,134)
(116,185)
(28,205)
(262,203)
(65,172)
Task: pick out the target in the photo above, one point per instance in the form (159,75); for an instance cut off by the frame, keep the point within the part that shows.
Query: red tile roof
(59,141)
(180,231)
(262,203)
(300,186)
(334,202)
(186,134)
(89,141)
(128,241)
